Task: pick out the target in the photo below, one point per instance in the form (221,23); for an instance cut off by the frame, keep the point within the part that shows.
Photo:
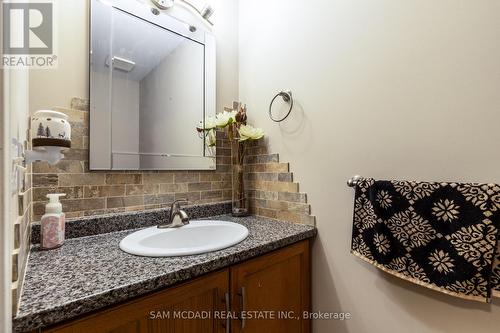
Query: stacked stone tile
(270,187)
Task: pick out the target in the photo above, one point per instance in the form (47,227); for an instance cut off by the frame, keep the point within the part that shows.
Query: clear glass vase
(240,200)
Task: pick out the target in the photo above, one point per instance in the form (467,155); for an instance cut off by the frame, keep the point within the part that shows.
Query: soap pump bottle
(52,223)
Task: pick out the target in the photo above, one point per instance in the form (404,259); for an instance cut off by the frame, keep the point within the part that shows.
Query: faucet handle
(176,204)
(175,211)
(182,200)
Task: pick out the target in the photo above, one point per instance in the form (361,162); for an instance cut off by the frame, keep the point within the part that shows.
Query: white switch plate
(14,152)
(17,176)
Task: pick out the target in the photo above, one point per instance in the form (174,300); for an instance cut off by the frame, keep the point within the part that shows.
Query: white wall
(125,124)
(5,230)
(124,133)
(6,234)
(225,30)
(387,89)
(171,98)
(71,78)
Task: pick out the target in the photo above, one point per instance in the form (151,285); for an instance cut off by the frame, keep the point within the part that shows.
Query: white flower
(209,124)
(225,118)
(248,132)
(211,138)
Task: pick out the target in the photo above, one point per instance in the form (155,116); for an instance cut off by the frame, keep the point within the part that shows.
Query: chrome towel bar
(351,182)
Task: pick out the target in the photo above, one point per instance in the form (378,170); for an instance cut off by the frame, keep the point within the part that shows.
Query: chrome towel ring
(287,97)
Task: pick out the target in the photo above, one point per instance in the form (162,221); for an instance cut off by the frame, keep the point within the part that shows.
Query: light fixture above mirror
(206,11)
(163,4)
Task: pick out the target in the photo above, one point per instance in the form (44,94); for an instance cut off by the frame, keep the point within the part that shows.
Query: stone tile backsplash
(101,192)
(269,182)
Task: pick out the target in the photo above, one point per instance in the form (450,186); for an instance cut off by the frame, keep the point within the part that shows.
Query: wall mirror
(152,80)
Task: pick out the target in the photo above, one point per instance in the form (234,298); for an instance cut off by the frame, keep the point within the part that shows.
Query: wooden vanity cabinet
(275,285)
(273,291)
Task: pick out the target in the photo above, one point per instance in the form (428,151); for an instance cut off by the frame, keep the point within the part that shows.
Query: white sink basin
(195,238)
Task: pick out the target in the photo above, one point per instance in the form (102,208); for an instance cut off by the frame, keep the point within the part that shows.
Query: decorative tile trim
(271,188)
(21,237)
(102,224)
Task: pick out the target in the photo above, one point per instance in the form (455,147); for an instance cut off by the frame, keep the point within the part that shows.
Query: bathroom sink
(194,238)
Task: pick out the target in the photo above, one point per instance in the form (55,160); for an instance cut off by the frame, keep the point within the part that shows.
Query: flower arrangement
(239,134)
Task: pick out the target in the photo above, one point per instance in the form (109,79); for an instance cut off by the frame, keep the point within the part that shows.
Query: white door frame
(6,229)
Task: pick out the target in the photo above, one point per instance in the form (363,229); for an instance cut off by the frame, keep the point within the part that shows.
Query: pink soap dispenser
(52,224)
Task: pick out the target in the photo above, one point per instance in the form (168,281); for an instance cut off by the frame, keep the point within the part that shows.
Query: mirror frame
(102,158)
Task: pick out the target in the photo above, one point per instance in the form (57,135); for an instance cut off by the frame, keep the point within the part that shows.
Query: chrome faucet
(178,217)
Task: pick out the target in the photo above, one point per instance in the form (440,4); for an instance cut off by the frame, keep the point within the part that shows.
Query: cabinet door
(165,311)
(272,291)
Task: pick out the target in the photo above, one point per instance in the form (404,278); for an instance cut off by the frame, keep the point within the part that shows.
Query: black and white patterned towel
(439,235)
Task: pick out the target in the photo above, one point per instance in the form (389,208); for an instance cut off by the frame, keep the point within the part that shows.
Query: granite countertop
(90,273)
